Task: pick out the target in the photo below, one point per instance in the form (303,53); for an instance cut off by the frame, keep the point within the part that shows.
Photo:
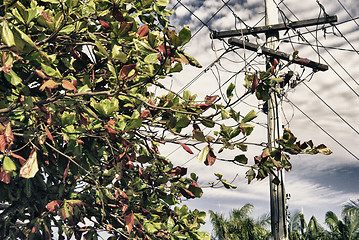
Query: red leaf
(210,99)
(49,84)
(211,158)
(275,62)
(31,167)
(4,176)
(129,220)
(21,159)
(124,208)
(185,147)
(110,130)
(5,68)
(104,24)
(117,14)
(68,85)
(66,172)
(120,194)
(9,136)
(49,135)
(2,144)
(165,50)
(84,120)
(186,193)
(195,185)
(144,114)
(44,14)
(79,141)
(178,171)
(74,53)
(49,118)
(53,206)
(255,84)
(143,31)
(125,71)
(41,74)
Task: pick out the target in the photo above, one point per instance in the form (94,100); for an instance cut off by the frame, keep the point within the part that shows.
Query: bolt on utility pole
(277,192)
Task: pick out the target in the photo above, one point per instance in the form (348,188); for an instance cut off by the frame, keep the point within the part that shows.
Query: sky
(316,183)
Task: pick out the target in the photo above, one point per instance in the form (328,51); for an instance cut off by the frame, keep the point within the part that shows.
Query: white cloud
(305,183)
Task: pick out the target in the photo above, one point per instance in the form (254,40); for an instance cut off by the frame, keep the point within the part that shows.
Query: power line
(334,48)
(326,51)
(341,34)
(348,13)
(329,135)
(331,108)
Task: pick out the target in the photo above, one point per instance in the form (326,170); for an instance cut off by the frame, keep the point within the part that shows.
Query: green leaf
(13,78)
(187,95)
(234,115)
(101,49)
(118,54)
(249,117)
(228,185)
(250,175)
(185,35)
(262,92)
(170,223)
(176,68)
(218,175)
(183,122)
(25,37)
(230,90)
(242,147)
(6,35)
(162,3)
(208,123)
(202,156)
(241,159)
(192,60)
(174,39)
(8,165)
(151,58)
(180,236)
(199,136)
(225,114)
(68,118)
(67,29)
(50,71)
(149,227)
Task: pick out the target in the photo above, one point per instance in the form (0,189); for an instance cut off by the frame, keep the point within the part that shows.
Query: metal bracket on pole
(277,54)
(275,27)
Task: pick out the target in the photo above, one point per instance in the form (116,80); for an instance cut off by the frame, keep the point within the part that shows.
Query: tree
(348,227)
(299,229)
(239,225)
(80,131)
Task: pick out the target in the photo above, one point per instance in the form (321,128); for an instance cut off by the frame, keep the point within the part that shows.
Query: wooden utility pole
(277,192)
(271,29)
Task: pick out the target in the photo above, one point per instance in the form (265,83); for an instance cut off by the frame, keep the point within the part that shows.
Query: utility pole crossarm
(277,54)
(275,27)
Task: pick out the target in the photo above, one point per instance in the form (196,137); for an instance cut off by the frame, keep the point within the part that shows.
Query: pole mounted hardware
(277,54)
(275,27)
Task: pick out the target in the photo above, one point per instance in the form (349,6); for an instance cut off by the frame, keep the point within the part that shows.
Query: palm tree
(300,230)
(348,228)
(296,226)
(240,226)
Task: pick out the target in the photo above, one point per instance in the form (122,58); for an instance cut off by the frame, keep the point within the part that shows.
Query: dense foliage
(79,131)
